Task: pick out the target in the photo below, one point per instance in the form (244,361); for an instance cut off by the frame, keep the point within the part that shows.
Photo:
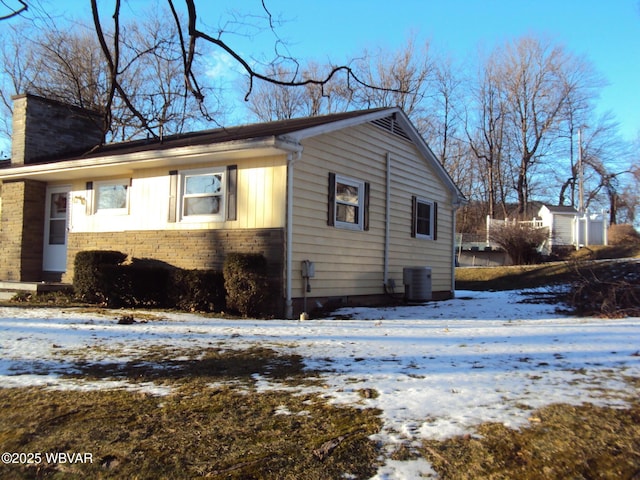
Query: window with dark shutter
(423,218)
(348,203)
(202,195)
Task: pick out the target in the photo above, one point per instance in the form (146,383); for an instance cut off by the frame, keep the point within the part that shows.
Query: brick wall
(190,249)
(22,230)
(45,128)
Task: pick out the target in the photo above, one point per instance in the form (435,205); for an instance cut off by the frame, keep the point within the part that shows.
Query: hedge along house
(338,204)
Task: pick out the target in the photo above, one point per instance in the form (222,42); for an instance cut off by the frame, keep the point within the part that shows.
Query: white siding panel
(261,201)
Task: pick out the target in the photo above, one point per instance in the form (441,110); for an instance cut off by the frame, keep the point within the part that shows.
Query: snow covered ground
(438,369)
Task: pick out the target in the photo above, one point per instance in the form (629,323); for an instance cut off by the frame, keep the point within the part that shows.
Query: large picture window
(112,197)
(203,193)
(348,203)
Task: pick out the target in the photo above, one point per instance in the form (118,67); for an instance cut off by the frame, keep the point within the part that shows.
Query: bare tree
(68,65)
(272,101)
(404,78)
(440,119)
(487,135)
(191,40)
(538,79)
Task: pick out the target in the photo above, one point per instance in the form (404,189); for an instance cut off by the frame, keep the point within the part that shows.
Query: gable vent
(391,125)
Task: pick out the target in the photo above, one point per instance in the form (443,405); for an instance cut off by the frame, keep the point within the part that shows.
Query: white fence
(564,230)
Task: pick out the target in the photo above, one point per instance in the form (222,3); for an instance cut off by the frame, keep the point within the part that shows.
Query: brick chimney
(44,128)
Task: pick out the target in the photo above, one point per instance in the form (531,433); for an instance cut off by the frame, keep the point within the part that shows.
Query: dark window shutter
(435,220)
(173,195)
(367,190)
(232,192)
(89,200)
(414,215)
(331,211)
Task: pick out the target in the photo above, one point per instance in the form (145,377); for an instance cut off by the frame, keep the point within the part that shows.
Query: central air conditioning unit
(417,284)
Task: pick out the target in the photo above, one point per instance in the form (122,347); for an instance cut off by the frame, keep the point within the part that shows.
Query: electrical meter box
(308,269)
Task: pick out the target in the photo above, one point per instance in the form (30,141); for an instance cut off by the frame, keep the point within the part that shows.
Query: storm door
(55,229)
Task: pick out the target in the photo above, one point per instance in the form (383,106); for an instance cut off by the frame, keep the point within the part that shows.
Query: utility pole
(580,175)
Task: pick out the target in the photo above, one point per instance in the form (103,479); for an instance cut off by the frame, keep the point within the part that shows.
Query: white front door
(54,257)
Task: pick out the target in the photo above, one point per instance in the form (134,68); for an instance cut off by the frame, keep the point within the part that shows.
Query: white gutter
(291,159)
(456,205)
(387,217)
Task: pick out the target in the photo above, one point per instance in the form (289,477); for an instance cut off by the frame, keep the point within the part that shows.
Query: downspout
(456,205)
(291,159)
(387,216)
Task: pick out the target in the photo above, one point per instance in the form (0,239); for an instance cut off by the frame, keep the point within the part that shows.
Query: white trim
(359,184)
(339,124)
(431,204)
(124,164)
(106,183)
(216,217)
(54,256)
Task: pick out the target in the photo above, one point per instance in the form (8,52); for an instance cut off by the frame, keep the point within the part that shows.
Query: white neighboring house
(567,227)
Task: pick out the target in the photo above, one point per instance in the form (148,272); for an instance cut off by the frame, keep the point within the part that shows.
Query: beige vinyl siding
(352,262)
(261,200)
(407,251)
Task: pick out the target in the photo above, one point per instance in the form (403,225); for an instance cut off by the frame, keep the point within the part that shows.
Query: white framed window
(424,218)
(202,195)
(348,202)
(112,197)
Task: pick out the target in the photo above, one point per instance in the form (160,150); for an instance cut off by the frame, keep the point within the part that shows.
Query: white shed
(567,227)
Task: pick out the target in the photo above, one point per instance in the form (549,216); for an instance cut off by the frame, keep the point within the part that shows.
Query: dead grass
(599,252)
(586,261)
(563,441)
(215,424)
(513,277)
(228,431)
(179,366)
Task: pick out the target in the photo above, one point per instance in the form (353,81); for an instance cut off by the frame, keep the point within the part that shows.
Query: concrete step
(6,295)
(9,289)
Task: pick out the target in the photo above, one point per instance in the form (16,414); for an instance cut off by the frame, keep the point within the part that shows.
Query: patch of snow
(435,370)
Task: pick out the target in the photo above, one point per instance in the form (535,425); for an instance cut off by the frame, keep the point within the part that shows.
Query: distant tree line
(506,128)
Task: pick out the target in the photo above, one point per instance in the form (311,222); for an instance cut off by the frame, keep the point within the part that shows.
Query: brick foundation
(188,249)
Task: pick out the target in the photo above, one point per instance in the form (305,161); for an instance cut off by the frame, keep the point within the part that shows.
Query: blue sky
(606,32)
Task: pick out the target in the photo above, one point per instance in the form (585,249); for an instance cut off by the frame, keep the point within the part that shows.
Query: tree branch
(113,68)
(15,13)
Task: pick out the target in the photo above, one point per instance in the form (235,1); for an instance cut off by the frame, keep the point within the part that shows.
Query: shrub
(520,241)
(91,280)
(100,277)
(136,285)
(623,234)
(196,290)
(245,280)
